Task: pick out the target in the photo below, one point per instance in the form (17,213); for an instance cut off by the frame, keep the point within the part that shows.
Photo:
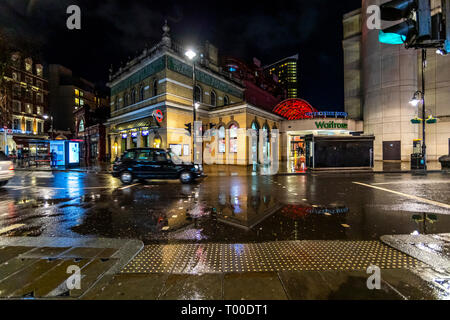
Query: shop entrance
(297,153)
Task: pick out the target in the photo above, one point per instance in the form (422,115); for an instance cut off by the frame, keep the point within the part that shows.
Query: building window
(28,108)
(39,110)
(222,139)
(233,138)
(39,98)
(81,126)
(197,94)
(157,142)
(155,88)
(16,124)
(213,99)
(77,92)
(28,125)
(125,100)
(40,128)
(226,101)
(16,91)
(16,106)
(141,93)
(15,76)
(29,65)
(116,104)
(39,71)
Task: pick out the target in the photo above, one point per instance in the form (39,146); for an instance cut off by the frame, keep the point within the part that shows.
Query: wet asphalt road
(225,208)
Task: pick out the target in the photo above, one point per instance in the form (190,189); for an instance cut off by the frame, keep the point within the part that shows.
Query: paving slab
(192,287)
(253,286)
(38,267)
(129,287)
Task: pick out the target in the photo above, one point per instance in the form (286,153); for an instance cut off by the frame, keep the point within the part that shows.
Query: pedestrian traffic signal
(188,127)
(414,30)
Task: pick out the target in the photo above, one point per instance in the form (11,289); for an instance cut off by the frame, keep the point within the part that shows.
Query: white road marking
(126,187)
(11,227)
(435,203)
(409,182)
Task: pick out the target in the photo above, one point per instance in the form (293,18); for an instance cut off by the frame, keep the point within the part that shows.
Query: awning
(149,123)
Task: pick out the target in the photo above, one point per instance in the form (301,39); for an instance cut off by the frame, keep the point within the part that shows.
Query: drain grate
(271,256)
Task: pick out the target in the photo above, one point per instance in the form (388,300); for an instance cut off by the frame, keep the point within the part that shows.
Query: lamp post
(51,123)
(415,102)
(191,55)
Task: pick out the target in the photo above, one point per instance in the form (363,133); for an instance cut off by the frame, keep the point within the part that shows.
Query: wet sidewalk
(296,270)
(433,250)
(40,267)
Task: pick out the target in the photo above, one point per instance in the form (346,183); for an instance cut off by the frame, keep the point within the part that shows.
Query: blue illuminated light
(232,69)
(145,133)
(134,134)
(124,136)
(391,38)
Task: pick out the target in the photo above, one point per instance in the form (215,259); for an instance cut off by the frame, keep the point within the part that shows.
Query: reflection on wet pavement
(221,209)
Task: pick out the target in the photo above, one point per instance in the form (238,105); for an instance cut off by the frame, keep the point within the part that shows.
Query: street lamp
(415,100)
(191,55)
(46,117)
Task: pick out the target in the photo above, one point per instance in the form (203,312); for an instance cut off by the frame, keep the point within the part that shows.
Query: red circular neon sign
(294,109)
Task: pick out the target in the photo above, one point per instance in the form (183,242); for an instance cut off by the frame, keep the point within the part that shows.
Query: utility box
(67,153)
(417,159)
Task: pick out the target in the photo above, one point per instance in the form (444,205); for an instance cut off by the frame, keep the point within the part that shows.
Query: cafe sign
(331,125)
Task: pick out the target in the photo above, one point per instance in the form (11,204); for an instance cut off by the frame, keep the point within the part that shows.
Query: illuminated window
(81,102)
(77,92)
(81,126)
(222,139)
(77,101)
(233,138)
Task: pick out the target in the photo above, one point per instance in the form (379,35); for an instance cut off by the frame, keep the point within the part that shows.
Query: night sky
(113,30)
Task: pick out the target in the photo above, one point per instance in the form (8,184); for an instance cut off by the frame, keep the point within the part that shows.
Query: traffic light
(188,127)
(414,30)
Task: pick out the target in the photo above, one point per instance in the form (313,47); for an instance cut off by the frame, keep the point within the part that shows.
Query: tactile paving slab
(270,256)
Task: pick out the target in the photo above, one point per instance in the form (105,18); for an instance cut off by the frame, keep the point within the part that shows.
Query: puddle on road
(167,215)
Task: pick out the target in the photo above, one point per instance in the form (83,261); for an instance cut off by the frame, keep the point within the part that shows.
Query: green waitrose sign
(331,125)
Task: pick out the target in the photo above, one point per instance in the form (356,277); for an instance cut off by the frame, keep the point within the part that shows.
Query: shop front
(294,135)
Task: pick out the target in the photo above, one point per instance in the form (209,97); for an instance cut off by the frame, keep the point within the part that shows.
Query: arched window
(266,142)
(155,88)
(198,94)
(222,139)
(213,99)
(125,99)
(226,101)
(141,93)
(133,96)
(255,145)
(233,138)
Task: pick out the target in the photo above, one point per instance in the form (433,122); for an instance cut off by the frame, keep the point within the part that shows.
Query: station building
(152,106)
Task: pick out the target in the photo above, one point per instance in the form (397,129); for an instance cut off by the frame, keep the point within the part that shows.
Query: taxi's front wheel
(126,177)
(186,177)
